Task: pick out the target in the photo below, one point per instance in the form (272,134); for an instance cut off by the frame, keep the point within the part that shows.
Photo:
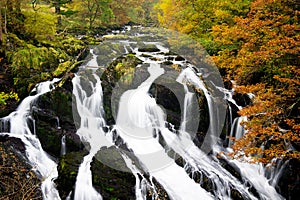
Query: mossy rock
(151,49)
(49,137)
(54,118)
(122,72)
(67,172)
(112,183)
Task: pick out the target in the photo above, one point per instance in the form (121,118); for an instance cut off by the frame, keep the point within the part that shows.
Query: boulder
(67,172)
(53,114)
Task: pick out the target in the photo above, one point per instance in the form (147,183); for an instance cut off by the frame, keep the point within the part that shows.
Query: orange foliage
(262,55)
(259,49)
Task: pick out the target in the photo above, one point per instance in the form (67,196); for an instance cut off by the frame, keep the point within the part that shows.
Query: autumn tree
(97,8)
(197,17)
(261,53)
(57,4)
(124,10)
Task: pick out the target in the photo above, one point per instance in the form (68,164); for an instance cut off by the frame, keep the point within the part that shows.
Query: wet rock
(148,49)
(179,58)
(161,193)
(288,184)
(14,143)
(242,99)
(112,183)
(236,195)
(119,76)
(167,62)
(53,114)
(168,100)
(67,172)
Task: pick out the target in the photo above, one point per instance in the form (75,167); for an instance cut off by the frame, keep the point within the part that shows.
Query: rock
(14,143)
(53,114)
(167,62)
(67,172)
(112,183)
(168,100)
(242,99)
(149,49)
(288,184)
(179,58)
(17,180)
(119,76)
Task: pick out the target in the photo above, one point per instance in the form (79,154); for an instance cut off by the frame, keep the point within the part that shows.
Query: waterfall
(90,131)
(151,151)
(187,75)
(237,130)
(19,128)
(140,125)
(63,149)
(137,117)
(57,122)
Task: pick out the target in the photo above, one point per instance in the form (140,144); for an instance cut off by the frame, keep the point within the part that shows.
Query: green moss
(62,68)
(130,55)
(40,25)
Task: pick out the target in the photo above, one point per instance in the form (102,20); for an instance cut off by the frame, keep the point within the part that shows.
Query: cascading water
(19,128)
(91,121)
(140,120)
(138,117)
(237,130)
(63,149)
(150,146)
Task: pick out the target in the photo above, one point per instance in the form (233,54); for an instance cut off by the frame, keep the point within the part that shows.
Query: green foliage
(6,96)
(31,64)
(40,25)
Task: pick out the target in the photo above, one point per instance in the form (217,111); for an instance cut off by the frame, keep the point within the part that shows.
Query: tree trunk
(1,37)
(5,20)
(57,11)
(18,7)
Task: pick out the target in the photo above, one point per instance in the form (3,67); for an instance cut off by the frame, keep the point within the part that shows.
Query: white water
(90,131)
(39,159)
(237,129)
(137,117)
(188,76)
(63,149)
(138,123)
